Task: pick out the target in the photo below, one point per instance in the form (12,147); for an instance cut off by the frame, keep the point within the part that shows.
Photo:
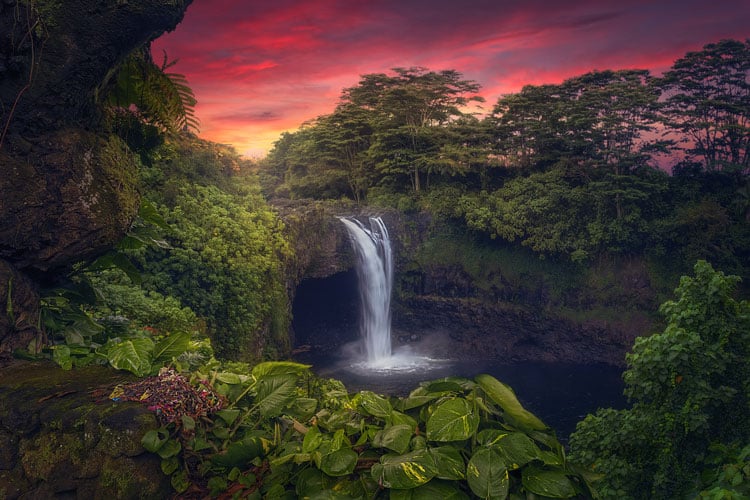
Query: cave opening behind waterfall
(325,313)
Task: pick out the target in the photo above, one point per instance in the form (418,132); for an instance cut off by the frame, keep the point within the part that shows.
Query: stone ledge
(61,435)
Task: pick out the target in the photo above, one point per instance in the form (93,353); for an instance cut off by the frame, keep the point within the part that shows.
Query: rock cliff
(68,190)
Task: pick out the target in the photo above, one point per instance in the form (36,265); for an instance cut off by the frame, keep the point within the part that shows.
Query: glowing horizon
(259,70)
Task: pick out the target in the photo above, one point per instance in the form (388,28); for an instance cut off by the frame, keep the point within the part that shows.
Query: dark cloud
(251,117)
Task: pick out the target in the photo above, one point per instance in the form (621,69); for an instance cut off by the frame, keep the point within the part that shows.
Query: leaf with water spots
(450,463)
(339,463)
(375,405)
(395,437)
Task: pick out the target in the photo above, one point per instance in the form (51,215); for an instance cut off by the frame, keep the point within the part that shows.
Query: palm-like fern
(159,98)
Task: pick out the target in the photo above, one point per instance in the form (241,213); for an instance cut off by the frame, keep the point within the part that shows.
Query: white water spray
(372,247)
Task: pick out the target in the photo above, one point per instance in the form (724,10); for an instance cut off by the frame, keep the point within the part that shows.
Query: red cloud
(260,68)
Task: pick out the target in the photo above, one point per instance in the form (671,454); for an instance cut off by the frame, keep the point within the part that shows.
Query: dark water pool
(560,394)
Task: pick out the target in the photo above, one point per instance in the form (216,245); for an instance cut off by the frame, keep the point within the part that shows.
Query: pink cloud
(260,68)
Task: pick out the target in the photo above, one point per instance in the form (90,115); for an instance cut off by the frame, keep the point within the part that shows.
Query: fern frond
(161,99)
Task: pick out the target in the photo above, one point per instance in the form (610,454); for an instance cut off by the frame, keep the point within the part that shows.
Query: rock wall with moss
(68,190)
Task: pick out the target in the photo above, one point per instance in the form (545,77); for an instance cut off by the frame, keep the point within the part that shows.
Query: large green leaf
(61,356)
(503,395)
(239,454)
(449,384)
(395,437)
(313,438)
(517,449)
(154,439)
(450,463)
(228,378)
(487,475)
(339,463)
(303,408)
(133,355)
(375,405)
(452,420)
(309,483)
(405,471)
(402,418)
(550,483)
(171,347)
(117,259)
(278,368)
(419,397)
(150,215)
(170,448)
(435,489)
(275,392)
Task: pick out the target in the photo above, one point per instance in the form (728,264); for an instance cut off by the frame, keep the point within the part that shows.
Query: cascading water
(372,247)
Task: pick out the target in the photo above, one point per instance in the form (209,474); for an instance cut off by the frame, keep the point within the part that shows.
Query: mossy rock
(61,434)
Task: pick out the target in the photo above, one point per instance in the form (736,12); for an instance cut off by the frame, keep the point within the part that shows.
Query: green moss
(46,453)
(122,478)
(119,180)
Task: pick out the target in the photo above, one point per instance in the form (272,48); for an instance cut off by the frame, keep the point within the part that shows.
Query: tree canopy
(576,169)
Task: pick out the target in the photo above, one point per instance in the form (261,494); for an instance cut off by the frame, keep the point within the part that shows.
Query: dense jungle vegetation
(605,165)
(575,171)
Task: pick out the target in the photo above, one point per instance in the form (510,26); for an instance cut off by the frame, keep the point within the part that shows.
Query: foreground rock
(60,436)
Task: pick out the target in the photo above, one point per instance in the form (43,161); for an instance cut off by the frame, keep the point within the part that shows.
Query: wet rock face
(61,435)
(473,329)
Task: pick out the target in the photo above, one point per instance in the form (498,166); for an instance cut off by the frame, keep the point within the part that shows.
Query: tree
(527,127)
(611,111)
(405,110)
(708,102)
(596,119)
(689,389)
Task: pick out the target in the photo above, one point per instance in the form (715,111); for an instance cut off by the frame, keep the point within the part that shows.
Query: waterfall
(372,248)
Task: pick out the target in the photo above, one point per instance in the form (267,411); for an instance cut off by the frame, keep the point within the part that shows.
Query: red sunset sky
(259,68)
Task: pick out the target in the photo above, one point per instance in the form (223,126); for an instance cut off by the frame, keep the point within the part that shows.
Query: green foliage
(453,437)
(224,263)
(136,352)
(572,170)
(610,214)
(727,475)
(689,387)
(159,98)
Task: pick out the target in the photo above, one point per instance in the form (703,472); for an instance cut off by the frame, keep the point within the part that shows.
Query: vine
(32,30)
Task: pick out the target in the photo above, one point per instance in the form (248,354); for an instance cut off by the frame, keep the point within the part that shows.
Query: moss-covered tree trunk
(67,188)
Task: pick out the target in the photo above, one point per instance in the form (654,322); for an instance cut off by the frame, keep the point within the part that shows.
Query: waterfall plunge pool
(561,394)
(345,321)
